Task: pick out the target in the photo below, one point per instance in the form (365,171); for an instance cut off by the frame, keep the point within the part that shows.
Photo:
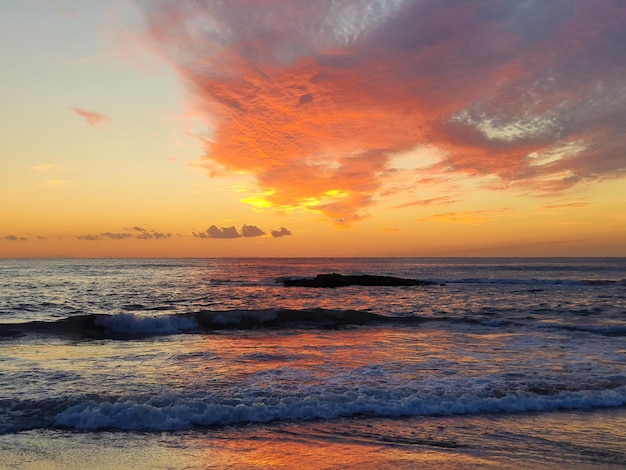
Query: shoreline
(562,439)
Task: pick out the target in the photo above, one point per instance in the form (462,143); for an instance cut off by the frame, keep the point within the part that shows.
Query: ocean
(215,363)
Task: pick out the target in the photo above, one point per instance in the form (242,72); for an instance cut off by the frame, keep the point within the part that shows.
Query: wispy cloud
(566,205)
(109,235)
(145,234)
(14,238)
(42,168)
(89,237)
(92,118)
(478,217)
(314,98)
(435,201)
(52,183)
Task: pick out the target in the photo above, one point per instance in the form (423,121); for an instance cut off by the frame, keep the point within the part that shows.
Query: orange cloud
(566,205)
(52,184)
(315,98)
(42,168)
(466,217)
(436,201)
(91,117)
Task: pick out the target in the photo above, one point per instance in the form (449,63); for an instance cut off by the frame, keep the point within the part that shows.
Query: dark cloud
(282,232)
(89,237)
(224,232)
(153,235)
(251,231)
(315,98)
(143,234)
(116,236)
(247,231)
(14,238)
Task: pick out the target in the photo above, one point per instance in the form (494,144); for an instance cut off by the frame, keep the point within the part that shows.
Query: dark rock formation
(339,280)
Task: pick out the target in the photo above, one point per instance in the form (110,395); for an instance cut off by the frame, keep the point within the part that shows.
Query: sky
(289,128)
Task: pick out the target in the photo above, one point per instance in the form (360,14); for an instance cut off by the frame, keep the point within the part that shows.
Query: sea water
(215,363)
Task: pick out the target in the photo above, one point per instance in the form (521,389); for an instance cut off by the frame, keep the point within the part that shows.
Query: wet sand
(572,440)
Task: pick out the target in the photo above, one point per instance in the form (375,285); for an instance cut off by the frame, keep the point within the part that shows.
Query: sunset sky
(312,128)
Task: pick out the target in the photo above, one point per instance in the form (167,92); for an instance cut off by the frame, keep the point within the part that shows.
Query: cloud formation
(150,234)
(91,117)
(247,231)
(142,234)
(109,235)
(316,98)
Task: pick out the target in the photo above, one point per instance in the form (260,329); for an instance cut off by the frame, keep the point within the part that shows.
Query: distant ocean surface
(214,363)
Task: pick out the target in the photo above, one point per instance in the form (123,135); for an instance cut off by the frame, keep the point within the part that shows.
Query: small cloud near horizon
(14,238)
(247,231)
(150,234)
(214,232)
(143,234)
(282,232)
(251,231)
(89,237)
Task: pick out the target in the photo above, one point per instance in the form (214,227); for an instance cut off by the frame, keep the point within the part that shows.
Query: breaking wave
(130,325)
(168,413)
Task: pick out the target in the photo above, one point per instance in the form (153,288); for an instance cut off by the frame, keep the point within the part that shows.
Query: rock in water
(339,280)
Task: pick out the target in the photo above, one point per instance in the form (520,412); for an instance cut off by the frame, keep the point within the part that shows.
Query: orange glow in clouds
(315,102)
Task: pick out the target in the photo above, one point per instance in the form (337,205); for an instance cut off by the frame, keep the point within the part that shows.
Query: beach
(584,440)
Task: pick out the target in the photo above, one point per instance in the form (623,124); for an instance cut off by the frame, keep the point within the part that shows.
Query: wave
(171,412)
(131,325)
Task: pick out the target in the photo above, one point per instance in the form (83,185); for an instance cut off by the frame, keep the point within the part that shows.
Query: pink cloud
(91,117)
(315,98)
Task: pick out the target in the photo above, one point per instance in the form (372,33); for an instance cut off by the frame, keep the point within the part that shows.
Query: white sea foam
(170,414)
